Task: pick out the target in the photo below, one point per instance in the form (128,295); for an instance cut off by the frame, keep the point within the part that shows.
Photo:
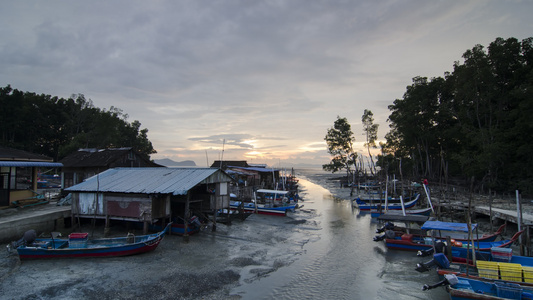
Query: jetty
(506,215)
(523,220)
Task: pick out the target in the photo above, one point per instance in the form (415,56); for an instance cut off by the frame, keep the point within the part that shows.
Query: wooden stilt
(186,218)
(107,226)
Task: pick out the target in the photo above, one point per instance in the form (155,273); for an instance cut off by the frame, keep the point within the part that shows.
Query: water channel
(338,259)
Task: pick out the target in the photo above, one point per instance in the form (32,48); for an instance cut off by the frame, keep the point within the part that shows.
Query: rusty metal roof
(176,181)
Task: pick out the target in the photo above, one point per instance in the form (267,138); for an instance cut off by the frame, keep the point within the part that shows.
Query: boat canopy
(394,217)
(264,191)
(449,226)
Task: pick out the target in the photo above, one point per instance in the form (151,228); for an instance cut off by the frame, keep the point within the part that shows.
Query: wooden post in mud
(528,242)
(106,228)
(469,221)
(490,210)
(449,248)
(186,218)
(145,227)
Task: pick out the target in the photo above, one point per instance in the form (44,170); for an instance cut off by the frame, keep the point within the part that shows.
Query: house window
(21,178)
(223,188)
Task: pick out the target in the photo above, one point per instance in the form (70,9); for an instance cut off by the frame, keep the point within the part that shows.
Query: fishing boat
(227,216)
(490,271)
(391,200)
(498,264)
(264,209)
(268,202)
(411,242)
(380,206)
(178,226)
(399,232)
(467,288)
(78,245)
(420,211)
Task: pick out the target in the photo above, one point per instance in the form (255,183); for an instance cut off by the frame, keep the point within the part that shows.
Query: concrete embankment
(43,218)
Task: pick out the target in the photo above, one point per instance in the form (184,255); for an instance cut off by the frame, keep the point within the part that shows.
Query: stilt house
(150,194)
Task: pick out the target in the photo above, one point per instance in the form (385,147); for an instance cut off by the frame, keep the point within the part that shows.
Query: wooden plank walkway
(508,215)
(504,214)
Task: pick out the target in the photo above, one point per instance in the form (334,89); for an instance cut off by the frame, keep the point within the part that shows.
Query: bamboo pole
(519,220)
(427,195)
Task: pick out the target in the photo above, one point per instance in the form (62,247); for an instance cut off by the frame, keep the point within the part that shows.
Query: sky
(260,81)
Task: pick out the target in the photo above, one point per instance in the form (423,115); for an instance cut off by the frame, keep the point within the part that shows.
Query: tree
(474,123)
(56,127)
(339,140)
(371,132)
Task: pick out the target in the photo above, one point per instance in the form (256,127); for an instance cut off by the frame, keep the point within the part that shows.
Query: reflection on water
(339,259)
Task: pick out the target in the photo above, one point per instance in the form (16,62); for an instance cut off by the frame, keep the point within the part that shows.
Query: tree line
(55,127)
(472,125)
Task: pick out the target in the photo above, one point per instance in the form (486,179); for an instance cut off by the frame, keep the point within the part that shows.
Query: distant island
(170,163)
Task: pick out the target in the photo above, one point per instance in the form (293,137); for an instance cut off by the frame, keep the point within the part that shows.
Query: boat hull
(410,204)
(178,229)
(420,212)
(263,211)
(250,207)
(408,244)
(467,288)
(61,248)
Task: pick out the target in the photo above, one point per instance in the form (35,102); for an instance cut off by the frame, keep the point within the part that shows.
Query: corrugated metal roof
(30,164)
(176,181)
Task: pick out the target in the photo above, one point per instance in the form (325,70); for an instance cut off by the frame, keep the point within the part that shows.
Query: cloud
(266,76)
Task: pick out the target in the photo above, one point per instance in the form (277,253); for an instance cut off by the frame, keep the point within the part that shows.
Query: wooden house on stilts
(148,195)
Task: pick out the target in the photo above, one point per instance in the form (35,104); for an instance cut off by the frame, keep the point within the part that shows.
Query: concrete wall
(13,228)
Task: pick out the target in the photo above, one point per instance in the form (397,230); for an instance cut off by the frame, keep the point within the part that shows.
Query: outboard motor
(439,260)
(195,220)
(387,226)
(440,247)
(389,234)
(449,279)
(27,239)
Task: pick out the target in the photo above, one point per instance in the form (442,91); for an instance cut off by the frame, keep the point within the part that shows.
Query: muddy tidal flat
(322,251)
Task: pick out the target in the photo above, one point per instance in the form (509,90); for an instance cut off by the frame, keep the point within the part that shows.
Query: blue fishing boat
(467,288)
(412,242)
(391,200)
(395,206)
(420,211)
(78,245)
(178,226)
(498,264)
(264,209)
(268,202)
(424,238)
